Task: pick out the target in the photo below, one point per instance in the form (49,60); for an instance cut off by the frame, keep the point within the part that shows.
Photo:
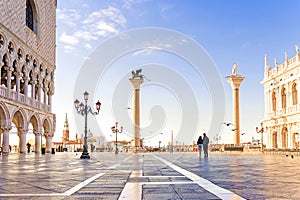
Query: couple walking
(203,142)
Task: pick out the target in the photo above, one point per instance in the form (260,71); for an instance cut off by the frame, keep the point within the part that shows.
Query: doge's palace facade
(282,103)
(27,66)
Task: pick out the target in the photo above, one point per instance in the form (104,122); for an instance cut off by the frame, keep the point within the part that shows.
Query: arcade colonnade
(21,118)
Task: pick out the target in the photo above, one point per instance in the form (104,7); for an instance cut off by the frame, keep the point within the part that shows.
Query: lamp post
(261,130)
(84,109)
(115,130)
(217,138)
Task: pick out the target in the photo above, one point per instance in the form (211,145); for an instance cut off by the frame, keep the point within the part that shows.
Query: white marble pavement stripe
(67,193)
(82,184)
(206,184)
(131,191)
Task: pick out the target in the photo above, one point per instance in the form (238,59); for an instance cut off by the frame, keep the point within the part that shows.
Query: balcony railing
(31,102)
(2,91)
(285,111)
(294,108)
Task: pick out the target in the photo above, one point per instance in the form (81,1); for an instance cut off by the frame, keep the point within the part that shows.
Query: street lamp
(217,138)
(261,130)
(84,109)
(115,130)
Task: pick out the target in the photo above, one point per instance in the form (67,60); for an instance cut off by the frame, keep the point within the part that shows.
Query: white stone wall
(283,119)
(13,17)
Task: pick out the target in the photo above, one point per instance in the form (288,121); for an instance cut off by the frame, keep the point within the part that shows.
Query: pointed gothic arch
(35,122)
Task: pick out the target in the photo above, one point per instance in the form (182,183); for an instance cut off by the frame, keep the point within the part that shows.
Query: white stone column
(38,142)
(18,75)
(267,135)
(33,89)
(48,144)
(271,102)
(278,100)
(45,96)
(8,83)
(136,83)
(39,92)
(1,64)
(279,139)
(26,89)
(290,136)
(5,140)
(288,100)
(22,143)
(235,81)
(50,102)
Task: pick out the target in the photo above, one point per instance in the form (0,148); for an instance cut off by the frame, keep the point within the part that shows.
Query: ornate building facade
(282,103)
(27,66)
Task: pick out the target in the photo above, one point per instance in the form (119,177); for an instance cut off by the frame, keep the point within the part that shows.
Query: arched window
(273,101)
(31,21)
(294,94)
(283,98)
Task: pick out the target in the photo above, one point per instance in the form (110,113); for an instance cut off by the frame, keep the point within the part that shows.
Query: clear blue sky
(229,31)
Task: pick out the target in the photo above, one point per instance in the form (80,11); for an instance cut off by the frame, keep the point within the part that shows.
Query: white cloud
(85,35)
(104,29)
(101,23)
(68,39)
(88,46)
(128,3)
(111,14)
(68,48)
(68,16)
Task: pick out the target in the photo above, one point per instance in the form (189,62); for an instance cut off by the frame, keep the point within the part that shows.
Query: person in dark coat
(200,144)
(28,147)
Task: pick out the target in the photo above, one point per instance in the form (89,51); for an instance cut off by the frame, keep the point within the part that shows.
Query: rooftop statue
(233,72)
(137,74)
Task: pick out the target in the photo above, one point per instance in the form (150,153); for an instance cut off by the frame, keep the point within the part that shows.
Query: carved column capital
(6,129)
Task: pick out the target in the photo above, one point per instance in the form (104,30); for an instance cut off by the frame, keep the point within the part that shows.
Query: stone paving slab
(152,176)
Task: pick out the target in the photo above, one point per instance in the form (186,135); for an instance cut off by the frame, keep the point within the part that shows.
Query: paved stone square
(149,176)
